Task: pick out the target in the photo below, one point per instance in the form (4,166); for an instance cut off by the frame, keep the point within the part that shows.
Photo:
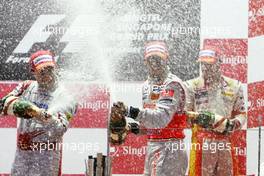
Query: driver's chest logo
(201,96)
(151,95)
(155,92)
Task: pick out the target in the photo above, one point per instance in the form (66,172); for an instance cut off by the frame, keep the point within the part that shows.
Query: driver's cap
(41,59)
(207,56)
(156,48)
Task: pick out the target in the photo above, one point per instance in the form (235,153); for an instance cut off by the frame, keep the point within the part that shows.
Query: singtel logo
(234,60)
(128,150)
(94,105)
(256,13)
(260,102)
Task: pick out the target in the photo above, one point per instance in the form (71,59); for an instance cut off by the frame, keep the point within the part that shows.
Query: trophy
(98,166)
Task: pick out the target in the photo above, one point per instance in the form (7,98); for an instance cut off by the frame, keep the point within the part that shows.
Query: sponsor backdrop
(234,26)
(67,29)
(255,86)
(88,35)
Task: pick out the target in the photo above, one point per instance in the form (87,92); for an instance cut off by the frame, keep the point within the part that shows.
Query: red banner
(233,54)
(129,158)
(7,121)
(93,107)
(256,104)
(256,18)
(239,143)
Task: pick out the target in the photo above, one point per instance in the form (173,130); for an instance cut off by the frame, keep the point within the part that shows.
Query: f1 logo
(37,33)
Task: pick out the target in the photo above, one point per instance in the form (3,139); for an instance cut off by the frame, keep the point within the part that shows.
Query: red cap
(41,59)
(156,48)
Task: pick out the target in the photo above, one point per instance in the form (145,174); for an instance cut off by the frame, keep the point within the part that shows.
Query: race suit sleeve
(239,110)
(171,100)
(20,88)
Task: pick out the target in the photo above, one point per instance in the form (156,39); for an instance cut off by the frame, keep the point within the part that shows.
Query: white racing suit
(39,144)
(213,152)
(164,121)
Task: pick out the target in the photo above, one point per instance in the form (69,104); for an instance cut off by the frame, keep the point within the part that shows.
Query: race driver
(162,115)
(40,129)
(222,98)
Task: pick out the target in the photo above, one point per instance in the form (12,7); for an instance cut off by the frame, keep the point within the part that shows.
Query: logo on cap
(41,59)
(156,48)
(208,56)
